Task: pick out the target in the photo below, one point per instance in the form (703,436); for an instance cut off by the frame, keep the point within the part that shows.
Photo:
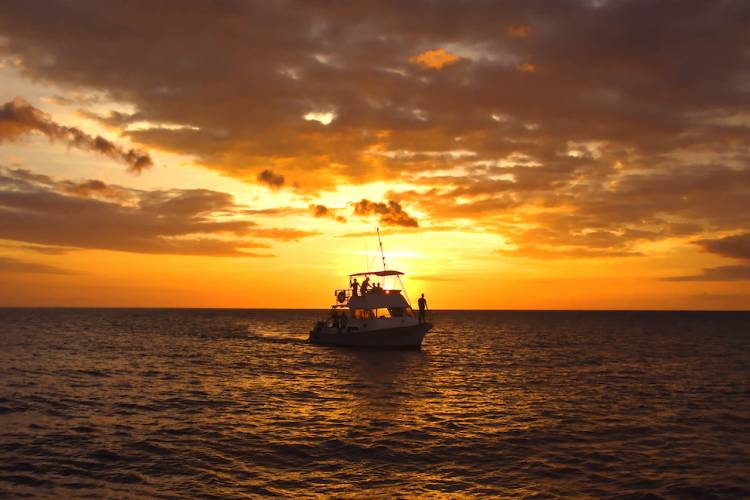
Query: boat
(381,317)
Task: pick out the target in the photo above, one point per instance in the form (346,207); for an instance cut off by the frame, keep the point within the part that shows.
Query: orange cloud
(434,59)
(526,68)
(518,31)
(323,211)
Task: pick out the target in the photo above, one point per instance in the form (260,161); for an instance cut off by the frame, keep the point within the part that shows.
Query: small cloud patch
(391,213)
(322,211)
(526,68)
(518,31)
(434,59)
(318,116)
(271,179)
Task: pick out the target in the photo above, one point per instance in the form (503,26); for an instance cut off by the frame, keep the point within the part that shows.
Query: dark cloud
(320,211)
(721,273)
(631,128)
(10,265)
(736,246)
(274,181)
(92,185)
(94,188)
(18,117)
(39,210)
(390,214)
(642,76)
(42,249)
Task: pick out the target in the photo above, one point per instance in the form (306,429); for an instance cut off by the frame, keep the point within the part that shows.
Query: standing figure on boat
(365,285)
(422,308)
(355,287)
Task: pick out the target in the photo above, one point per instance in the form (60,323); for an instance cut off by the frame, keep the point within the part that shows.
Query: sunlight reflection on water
(197,403)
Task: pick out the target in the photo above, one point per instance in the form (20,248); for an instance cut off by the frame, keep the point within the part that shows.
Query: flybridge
(348,297)
(385,272)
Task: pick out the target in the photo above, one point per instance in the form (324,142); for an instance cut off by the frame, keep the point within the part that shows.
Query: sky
(587,154)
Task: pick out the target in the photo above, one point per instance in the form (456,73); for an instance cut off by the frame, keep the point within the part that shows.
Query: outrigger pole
(382,255)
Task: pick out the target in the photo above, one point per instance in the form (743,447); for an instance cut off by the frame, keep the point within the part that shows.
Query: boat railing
(344,294)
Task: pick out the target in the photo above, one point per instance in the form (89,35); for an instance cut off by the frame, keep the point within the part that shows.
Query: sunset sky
(535,155)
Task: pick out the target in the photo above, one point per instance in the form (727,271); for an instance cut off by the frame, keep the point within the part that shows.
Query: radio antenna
(382,255)
(367,256)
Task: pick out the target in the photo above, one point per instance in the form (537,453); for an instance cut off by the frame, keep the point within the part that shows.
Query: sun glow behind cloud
(324,117)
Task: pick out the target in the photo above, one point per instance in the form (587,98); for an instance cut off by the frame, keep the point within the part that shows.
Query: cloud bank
(93,215)
(569,128)
(18,117)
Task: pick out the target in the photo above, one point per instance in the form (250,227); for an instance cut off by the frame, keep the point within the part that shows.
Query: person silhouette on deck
(422,308)
(365,285)
(355,287)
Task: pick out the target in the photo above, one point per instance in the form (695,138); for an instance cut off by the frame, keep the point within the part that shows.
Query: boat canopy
(378,273)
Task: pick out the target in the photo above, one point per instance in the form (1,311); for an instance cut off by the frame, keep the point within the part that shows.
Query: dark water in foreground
(231,403)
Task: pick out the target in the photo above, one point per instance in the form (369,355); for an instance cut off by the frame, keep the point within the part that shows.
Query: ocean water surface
(211,403)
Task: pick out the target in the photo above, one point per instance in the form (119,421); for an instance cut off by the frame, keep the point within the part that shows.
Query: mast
(382,255)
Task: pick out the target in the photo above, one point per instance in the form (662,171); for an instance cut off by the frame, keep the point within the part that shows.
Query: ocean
(232,403)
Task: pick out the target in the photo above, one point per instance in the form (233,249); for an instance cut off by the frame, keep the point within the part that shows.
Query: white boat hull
(404,337)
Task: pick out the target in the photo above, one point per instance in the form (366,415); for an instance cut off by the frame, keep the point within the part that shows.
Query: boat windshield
(383,312)
(400,312)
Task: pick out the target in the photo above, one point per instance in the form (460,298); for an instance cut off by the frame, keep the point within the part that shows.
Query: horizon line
(327,308)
